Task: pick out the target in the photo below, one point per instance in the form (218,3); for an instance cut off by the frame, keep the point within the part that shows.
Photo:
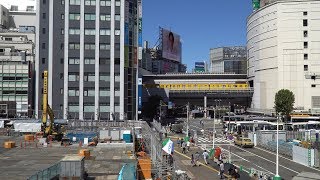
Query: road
(257,158)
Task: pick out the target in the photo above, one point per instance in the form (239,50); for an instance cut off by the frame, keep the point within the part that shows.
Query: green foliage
(284,101)
(149,109)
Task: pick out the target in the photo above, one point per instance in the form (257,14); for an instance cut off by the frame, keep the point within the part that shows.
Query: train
(201,86)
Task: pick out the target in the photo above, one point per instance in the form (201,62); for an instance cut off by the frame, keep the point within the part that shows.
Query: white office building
(283,47)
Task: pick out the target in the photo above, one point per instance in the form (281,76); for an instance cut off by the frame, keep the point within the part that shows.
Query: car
(243,142)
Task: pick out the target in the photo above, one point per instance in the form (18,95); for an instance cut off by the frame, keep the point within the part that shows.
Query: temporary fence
(47,174)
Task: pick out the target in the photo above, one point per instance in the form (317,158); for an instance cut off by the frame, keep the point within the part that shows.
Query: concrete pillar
(205,106)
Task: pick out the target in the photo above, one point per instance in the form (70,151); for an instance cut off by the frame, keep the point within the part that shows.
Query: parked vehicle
(243,142)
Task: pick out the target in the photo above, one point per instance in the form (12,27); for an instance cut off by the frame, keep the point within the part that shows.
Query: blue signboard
(140,39)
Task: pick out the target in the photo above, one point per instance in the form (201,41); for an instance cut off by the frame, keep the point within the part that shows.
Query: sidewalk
(203,171)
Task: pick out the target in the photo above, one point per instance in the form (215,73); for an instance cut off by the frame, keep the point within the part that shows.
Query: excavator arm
(49,128)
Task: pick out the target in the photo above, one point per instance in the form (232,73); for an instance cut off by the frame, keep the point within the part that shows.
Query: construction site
(88,150)
(50,148)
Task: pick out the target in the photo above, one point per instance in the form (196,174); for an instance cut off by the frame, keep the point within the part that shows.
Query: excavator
(52,129)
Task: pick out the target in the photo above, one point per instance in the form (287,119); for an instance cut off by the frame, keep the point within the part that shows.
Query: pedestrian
(221,168)
(192,160)
(188,146)
(205,156)
(178,142)
(181,141)
(231,170)
(196,158)
(236,174)
(184,147)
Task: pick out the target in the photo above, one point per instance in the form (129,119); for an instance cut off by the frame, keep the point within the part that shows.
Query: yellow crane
(46,110)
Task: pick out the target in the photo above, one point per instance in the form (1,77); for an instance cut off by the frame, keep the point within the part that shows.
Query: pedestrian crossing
(205,140)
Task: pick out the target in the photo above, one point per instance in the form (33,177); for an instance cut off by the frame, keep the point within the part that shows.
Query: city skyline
(227,28)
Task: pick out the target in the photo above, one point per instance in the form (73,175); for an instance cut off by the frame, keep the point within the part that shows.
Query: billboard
(171,45)
(199,67)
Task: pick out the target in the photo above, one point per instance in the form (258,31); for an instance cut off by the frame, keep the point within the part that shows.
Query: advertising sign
(140,39)
(171,45)
(199,67)
(139,94)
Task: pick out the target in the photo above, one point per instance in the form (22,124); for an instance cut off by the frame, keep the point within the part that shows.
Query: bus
(297,126)
(253,126)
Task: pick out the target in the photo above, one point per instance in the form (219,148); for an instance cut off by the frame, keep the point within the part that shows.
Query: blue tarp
(128,172)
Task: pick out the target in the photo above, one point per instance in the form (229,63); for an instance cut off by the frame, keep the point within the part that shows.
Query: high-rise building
(283,45)
(16,13)
(90,49)
(228,60)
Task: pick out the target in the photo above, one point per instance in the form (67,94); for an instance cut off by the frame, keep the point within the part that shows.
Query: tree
(283,103)
(150,108)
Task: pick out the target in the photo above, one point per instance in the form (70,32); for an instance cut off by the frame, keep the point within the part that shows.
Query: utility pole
(188,119)
(160,112)
(277,177)
(229,118)
(214,127)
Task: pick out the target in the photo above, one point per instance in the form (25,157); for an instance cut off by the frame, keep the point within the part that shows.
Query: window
(305,13)
(74,16)
(117,17)
(62,46)
(117,46)
(62,2)
(44,15)
(116,60)
(43,30)
(74,46)
(89,17)
(105,46)
(104,92)
(104,77)
(305,45)
(44,1)
(73,77)
(305,67)
(305,22)
(74,31)
(89,46)
(73,107)
(117,32)
(8,39)
(62,31)
(313,85)
(105,17)
(62,16)
(305,33)
(43,46)
(74,61)
(103,61)
(90,2)
(14,8)
(30,8)
(305,56)
(73,92)
(75,2)
(89,61)
(90,32)
(118,3)
(105,32)
(61,61)
(61,90)
(43,60)
(105,3)
(89,77)
(61,75)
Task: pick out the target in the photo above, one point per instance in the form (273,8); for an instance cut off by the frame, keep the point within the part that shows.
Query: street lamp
(214,127)
(277,177)
(229,118)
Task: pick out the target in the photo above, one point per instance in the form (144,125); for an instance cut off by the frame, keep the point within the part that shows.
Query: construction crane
(50,129)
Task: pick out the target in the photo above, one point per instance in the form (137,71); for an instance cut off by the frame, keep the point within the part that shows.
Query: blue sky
(201,24)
